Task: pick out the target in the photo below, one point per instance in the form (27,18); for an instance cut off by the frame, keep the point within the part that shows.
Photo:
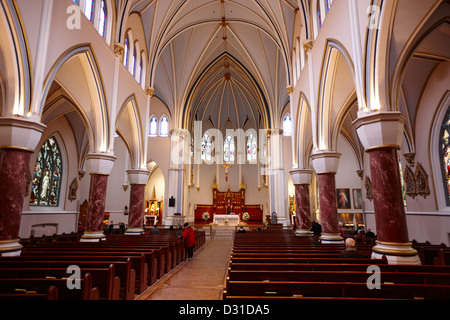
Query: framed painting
(357,199)
(343,198)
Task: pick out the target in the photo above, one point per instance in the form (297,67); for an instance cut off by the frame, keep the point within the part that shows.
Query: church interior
(118,117)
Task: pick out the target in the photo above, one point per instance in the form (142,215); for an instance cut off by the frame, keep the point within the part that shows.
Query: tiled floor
(202,278)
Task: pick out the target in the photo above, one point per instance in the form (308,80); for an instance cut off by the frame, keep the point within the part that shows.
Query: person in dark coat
(316,228)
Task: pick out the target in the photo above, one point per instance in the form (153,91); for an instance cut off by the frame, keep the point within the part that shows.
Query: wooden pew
(139,261)
(51,294)
(42,286)
(104,279)
(256,289)
(338,276)
(123,269)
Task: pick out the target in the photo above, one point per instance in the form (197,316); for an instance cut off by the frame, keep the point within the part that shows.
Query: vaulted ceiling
(219,60)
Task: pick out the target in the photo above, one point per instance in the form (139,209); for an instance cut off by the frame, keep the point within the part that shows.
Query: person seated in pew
(241,229)
(370,234)
(122,227)
(179,232)
(350,250)
(154,230)
(110,227)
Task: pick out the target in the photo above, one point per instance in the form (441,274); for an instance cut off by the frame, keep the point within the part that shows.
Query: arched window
(319,15)
(287,125)
(126,51)
(229,149)
(164,126)
(153,126)
(89,9)
(133,62)
(141,67)
(102,19)
(251,147)
(444,155)
(206,147)
(46,180)
(329,2)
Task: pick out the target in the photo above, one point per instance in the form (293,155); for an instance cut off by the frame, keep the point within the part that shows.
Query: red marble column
(14,167)
(96,208)
(136,211)
(328,207)
(303,208)
(388,204)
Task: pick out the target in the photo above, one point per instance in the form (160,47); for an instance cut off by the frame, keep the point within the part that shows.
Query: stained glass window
(319,16)
(444,154)
(153,126)
(206,147)
(46,180)
(102,20)
(89,9)
(229,149)
(164,126)
(251,147)
(125,52)
(287,125)
(133,62)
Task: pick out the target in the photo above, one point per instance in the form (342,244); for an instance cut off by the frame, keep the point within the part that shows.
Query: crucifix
(226,166)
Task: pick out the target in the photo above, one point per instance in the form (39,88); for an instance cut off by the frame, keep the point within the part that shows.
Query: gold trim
(9,241)
(99,173)
(17,148)
(405,244)
(11,249)
(383,147)
(410,252)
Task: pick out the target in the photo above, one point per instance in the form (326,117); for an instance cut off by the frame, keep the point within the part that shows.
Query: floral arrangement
(245,216)
(205,216)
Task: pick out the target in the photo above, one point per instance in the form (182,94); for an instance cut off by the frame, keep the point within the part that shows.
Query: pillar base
(396,253)
(331,238)
(134,231)
(95,236)
(10,248)
(302,232)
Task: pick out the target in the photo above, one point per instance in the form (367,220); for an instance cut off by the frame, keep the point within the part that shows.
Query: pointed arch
(16,67)
(131,131)
(323,134)
(93,77)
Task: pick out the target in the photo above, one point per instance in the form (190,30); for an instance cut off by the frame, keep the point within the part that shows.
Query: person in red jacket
(189,240)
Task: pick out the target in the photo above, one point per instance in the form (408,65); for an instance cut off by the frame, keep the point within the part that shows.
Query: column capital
(325,161)
(380,129)
(100,163)
(138,176)
(301,176)
(19,133)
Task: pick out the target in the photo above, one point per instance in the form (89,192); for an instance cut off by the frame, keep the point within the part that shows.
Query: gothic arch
(326,94)
(90,72)
(129,126)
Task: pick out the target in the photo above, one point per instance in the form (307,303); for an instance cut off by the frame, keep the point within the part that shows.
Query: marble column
(99,166)
(326,163)
(18,139)
(381,135)
(302,180)
(138,180)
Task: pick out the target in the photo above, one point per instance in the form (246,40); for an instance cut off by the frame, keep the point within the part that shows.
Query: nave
(272,264)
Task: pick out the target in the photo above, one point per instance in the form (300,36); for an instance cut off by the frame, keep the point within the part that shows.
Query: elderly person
(350,250)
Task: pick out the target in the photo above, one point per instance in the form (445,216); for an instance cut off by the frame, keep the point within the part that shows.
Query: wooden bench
(51,294)
(338,276)
(139,261)
(104,279)
(42,286)
(123,269)
(335,289)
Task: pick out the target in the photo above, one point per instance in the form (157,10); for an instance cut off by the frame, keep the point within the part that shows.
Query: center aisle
(202,278)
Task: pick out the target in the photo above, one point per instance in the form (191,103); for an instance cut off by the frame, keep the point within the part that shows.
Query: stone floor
(202,278)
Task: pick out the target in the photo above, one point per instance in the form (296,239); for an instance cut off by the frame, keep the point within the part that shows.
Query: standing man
(189,240)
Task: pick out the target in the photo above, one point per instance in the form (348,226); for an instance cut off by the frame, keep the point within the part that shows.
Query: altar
(226,219)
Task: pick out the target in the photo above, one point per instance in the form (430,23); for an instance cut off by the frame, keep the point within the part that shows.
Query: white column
(179,156)
(277,185)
